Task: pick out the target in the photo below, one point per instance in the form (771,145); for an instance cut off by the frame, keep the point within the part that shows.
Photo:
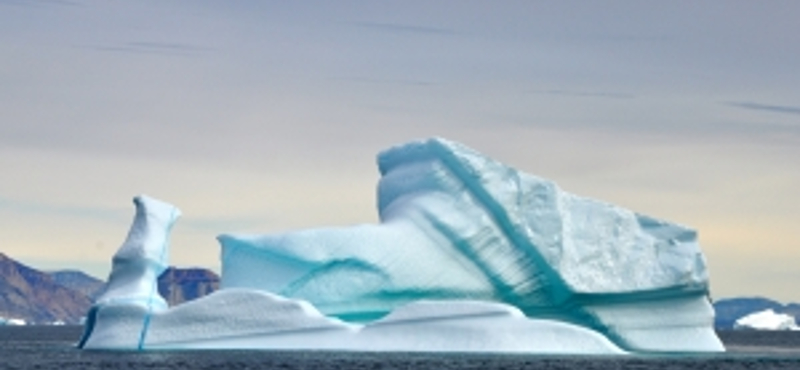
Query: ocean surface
(53,348)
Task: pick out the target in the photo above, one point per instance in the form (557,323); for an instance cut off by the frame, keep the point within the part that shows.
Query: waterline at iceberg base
(469,255)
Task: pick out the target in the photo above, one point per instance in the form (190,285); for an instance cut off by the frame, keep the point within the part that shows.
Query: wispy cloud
(388,81)
(587,94)
(765,107)
(95,213)
(226,224)
(404,28)
(123,215)
(39,2)
(156,48)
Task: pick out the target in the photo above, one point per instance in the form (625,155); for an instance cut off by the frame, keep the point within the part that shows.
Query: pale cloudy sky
(265,116)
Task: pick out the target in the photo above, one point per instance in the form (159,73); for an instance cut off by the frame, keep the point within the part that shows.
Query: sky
(266,116)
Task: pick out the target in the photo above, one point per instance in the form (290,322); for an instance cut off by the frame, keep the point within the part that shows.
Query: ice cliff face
(457,225)
(470,255)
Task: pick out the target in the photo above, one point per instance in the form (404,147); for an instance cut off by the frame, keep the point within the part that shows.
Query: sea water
(40,347)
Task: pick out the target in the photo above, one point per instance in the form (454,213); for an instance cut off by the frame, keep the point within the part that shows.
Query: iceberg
(15,322)
(469,255)
(766,320)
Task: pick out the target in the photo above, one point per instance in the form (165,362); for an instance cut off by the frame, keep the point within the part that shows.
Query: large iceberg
(469,255)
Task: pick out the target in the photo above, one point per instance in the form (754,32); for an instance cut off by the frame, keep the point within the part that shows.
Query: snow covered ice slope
(459,233)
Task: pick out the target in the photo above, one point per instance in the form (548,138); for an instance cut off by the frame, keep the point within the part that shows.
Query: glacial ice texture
(456,225)
(133,282)
(470,255)
(249,319)
(131,316)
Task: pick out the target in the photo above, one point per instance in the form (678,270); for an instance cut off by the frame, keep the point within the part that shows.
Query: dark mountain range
(34,296)
(793,309)
(731,309)
(178,285)
(42,298)
(79,281)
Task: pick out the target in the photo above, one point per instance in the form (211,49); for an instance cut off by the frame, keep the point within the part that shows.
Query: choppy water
(52,348)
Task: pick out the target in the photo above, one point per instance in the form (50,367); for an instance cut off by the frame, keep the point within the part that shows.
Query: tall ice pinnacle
(143,256)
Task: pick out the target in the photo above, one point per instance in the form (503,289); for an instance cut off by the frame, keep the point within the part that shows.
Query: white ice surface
(15,322)
(142,257)
(132,288)
(248,319)
(766,320)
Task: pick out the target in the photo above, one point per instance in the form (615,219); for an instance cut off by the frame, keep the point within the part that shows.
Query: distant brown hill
(34,296)
(42,298)
(178,285)
(80,281)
